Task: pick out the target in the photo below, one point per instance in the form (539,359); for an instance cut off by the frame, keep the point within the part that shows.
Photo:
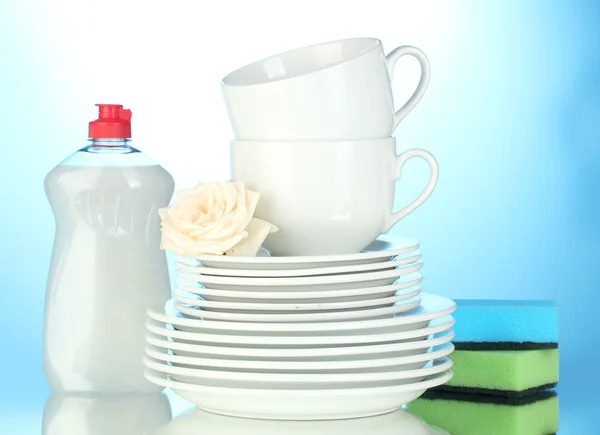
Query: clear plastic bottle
(107,267)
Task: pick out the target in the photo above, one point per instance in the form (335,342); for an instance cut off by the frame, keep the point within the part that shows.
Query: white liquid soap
(107,267)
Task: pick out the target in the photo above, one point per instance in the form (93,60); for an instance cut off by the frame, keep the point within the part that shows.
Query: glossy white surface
(302,283)
(370,365)
(326,198)
(336,270)
(333,91)
(337,316)
(404,284)
(384,248)
(260,307)
(432,307)
(295,381)
(278,342)
(299,404)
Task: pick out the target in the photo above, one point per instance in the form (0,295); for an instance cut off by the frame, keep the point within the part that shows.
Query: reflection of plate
(393,423)
(382,249)
(298,404)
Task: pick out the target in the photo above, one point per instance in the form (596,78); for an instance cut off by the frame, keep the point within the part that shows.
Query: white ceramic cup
(326,197)
(334,91)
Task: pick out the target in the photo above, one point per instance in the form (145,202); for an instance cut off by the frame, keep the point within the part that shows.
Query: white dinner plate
(409,343)
(305,297)
(304,381)
(291,342)
(303,283)
(392,363)
(364,314)
(290,308)
(383,249)
(400,260)
(299,404)
(432,307)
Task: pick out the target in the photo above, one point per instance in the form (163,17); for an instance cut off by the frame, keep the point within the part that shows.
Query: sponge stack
(505,371)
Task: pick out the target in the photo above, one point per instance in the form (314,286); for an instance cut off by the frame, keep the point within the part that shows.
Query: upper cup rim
(225,81)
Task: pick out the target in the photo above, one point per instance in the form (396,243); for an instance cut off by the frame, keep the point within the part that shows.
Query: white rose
(213,218)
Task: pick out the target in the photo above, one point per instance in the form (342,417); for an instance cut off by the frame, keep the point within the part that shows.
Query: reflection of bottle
(107,267)
(133,414)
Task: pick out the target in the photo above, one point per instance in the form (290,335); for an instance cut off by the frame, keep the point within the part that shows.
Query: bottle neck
(109,145)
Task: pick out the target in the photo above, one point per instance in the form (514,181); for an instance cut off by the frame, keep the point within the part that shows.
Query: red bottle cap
(113,122)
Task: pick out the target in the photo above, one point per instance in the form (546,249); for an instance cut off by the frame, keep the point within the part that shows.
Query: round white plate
(432,307)
(409,343)
(291,342)
(289,308)
(305,381)
(304,283)
(336,270)
(306,297)
(299,404)
(382,249)
(409,362)
(369,313)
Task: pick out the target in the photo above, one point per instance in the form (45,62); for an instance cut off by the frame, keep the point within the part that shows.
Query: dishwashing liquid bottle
(107,267)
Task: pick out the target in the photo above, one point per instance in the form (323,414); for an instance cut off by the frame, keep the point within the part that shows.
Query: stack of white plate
(302,338)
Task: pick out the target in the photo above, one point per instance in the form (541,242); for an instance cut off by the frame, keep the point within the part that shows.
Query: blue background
(512,114)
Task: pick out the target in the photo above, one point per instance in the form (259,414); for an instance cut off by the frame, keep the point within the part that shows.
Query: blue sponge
(505,325)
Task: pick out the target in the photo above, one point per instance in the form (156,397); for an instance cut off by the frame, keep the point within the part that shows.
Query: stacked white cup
(313,130)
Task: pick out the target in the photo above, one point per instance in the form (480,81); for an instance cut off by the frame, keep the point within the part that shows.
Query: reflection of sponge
(463,414)
(505,325)
(509,373)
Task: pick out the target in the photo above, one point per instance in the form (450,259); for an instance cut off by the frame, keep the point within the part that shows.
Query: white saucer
(305,381)
(293,342)
(299,404)
(335,270)
(338,316)
(290,308)
(305,283)
(432,307)
(305,297)
(382,249)
(392,363)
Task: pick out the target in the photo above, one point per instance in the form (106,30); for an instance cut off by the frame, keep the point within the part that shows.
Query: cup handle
(401,159)
(391,59)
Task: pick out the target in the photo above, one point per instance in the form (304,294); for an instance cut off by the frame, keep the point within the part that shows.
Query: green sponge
(507,373)
(477,415)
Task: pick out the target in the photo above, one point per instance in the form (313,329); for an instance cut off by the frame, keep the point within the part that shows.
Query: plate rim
(413,245)
(348,341)
(302,280)
(429,382)
(448,307)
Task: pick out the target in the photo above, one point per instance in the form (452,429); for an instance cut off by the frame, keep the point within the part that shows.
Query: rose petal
(258,230)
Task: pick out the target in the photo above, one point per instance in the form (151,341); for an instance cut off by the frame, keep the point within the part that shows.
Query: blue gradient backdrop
(512,114)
